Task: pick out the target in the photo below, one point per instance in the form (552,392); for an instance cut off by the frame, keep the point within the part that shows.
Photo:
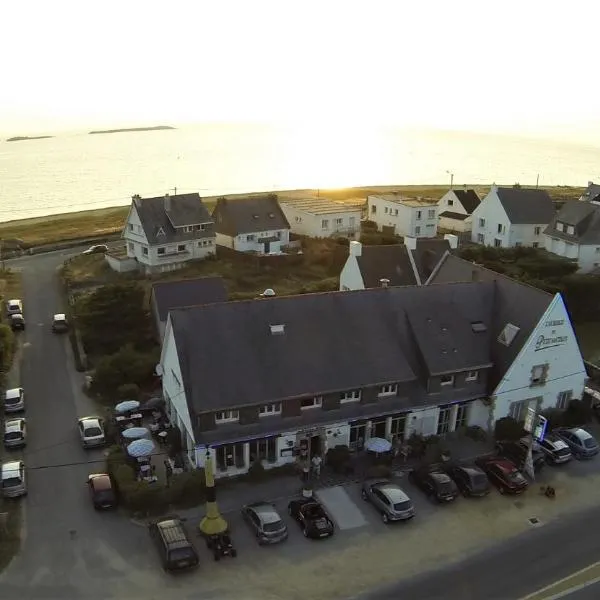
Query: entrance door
(378,428)
(398,427)
(357,436)
(315,446)
(267,247)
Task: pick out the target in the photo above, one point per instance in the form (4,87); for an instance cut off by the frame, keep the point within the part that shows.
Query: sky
(526,67)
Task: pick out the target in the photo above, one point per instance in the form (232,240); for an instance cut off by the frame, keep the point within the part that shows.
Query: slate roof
(454,215)
(514,302)
(160,224)
(584,217)
(385,262)
(331,342)
(468,198)
(526,206)
(592,191)
(427,255)
(168,295)
(249,215)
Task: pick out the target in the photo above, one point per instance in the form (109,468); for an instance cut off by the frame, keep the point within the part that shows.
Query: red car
(503,474)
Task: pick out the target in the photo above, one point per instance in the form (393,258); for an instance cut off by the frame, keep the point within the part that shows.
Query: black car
(471,480)
(175,549)
(102,491)
(516,452)
(435,483)
(17,322)
(312,518)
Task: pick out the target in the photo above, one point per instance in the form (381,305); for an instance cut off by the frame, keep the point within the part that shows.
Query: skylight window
(478,327)
(508,334)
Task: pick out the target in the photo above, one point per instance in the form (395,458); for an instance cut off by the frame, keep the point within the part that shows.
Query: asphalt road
(590,592)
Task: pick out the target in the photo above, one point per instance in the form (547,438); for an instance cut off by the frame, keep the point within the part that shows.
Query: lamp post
(451,179)
(212,523)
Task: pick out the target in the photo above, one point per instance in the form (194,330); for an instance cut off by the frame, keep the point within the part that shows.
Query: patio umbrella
(378,445)
(126,406)
(135,433)
(140,448)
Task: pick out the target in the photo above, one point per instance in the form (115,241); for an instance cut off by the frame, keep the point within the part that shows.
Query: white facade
(350,276)
(407,216)
(458,225)
(587,256)
(548,369)
(492,227)
(163,256)
(249,242)
(322,218)
(450,202)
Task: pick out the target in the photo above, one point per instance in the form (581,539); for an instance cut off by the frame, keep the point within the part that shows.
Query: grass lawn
(588,335)
(10,287)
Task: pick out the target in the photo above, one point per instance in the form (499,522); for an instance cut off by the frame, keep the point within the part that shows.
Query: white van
(14,400)
(13,479)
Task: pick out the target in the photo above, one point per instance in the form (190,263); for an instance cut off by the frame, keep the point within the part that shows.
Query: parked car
(14,479)
(516,452)
(265,522)
(470,480)
(174,547)
(14,400)
(503,474)
(14,307)
(389,499)
(582,444)
(435,483)
(96,249)
(15,433)
(59,323)
(312,518)
(102,491)
(91,431)
(555,449)
(17,322)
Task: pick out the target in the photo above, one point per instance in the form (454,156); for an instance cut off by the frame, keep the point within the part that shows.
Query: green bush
(128,391)
(145,497)
(508,429)
(379,239)
(123,475)
(187,489)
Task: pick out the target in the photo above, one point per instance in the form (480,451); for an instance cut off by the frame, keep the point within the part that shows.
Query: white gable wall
(412,221)
(336,224)
(350,277)
(134,235)
(248,242)
(527,235)
(587,256)
(449,202)
(490,222)
(552,343)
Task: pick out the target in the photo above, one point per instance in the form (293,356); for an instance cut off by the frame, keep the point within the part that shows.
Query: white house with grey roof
(321,217)
(510,217)
(285,377)
(455,209)
(165,232)
(575,233)
(592,192)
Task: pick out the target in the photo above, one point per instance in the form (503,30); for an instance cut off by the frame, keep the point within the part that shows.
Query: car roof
(13,425)
(101,481)
(470,470)
(10,468)
(394,492)
(439,476)
(503,464)
(14,301)
(13,393)
(90,420)
(266,512)
(60,317)
(582,434)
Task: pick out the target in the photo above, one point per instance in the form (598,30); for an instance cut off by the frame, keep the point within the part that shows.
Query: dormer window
(570,230)
(447,380)
(560,226)
(160,231)
(351,396)
(227,416)
(508,334)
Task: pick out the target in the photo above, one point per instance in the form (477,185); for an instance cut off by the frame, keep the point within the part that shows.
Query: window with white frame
(535,245)
(266,410)
(391,389)
(537,230)
(351,396)
(497,243)
(325,224)
(480,238)
(431,213)
(132,247)
(472,376)
(395,212)
(419,213)
(539,373)
(250,238)
(308,403)
(564,398)
(385,210)
(130,227)
(559,226)
(518,410)
(339,221)
(570,229)
(597,250)
(447,380)
(481,222)
(161,251)
(450,202)
(145,250)
(500,228)
(417,230)
(508,334)
(373,209)
(462,416)
(227,416)
(444,420)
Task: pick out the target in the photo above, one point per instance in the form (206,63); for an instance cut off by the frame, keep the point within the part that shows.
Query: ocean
(77,171)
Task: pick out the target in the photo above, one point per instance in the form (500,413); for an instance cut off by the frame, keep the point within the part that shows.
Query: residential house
(321,217)
(167,295)
(537,360)
(287,376)
(456,208)
(413,217)
(509,217)
(164,233)
(252,224)
(575,233)
(410,263)
(592,192)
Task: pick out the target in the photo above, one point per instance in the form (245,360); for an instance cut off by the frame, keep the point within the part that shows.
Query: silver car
(91,431)
(390,500)
(265,522)
(14,400)
(14,307)
(13,479)
(582,444)
(15,433)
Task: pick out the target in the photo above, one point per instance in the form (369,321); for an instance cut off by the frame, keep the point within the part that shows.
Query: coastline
(37,231)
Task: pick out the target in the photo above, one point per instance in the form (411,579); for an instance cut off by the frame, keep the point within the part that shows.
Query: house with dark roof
(251,224)
(164,233)
(410,263)
(511,216)
(455,209)
(168,295)
(289,377)
(592,192)
(575,233)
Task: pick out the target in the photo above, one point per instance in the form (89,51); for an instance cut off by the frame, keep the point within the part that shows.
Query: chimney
(410,242)
(452,240)
(465,187)
(590,183)
(136,197)
(277,329)
(355,248)
(167,202)
(384,282)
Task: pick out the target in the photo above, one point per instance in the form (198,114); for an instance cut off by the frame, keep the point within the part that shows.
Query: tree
(112,317)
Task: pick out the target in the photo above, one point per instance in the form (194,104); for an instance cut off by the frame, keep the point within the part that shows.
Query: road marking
(539,594)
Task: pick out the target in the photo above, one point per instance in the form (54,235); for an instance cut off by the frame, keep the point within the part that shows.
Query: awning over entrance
(265,240)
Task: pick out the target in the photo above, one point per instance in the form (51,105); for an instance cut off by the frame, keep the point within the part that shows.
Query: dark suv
(516,452)
(175,549)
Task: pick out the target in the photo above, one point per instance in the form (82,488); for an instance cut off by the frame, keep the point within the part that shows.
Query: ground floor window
(444,420)
(462,416)
(518,410)
(263,449)
(398,427)
(563,399)
(378,428)
(357,436)
(230,455)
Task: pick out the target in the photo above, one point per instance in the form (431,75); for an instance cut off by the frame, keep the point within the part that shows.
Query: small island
(22,138)
(156,128)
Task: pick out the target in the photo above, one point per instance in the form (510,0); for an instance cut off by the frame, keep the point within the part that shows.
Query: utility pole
(175,190)
(537,181)
(451,179)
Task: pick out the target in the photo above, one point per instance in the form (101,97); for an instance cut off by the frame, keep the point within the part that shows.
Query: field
(90,223)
